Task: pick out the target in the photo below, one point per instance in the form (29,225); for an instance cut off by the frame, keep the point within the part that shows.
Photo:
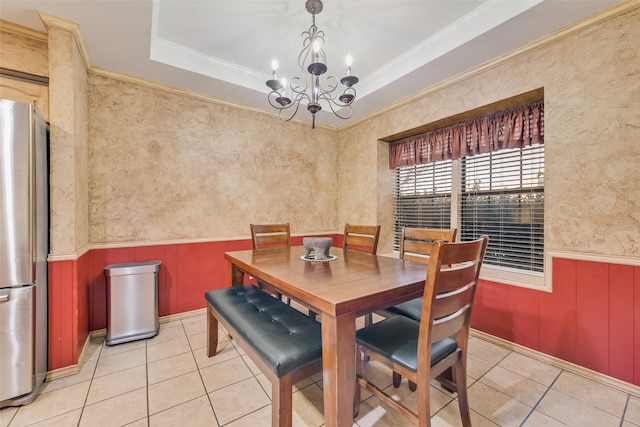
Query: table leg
(236,276)
(338,362)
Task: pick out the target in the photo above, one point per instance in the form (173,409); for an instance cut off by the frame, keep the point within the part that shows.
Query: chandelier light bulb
(274,67)
(284,86)
(316,50)
(349,62)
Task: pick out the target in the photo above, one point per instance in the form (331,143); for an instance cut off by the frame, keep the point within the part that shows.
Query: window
(422,197)
(483,175)
(501,194)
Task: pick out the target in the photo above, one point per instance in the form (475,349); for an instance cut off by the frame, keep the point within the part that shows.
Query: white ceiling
(224,48)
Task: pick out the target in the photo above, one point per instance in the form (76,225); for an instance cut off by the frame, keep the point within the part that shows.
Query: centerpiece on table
(317,249)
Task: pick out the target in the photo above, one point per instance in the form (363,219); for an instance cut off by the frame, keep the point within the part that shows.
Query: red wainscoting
(78,290)
(589,318)
(63,320)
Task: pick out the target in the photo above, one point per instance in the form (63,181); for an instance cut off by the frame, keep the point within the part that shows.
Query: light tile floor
(169,381)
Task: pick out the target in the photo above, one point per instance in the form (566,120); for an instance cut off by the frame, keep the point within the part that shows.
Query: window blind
(422,197)
(503,197)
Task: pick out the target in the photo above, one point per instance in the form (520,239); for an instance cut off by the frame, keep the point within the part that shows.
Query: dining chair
(416,244)
(424,350)
(363,238)
(267,236)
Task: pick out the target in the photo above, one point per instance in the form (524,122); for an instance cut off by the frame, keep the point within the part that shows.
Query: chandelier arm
(289,115)
(306,49)
(328,86)
(297,86)
(348,111)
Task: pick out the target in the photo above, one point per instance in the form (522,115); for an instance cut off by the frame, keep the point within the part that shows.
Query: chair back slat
(450,302)
(455,277)
(267,235)
(270,239)
(417,258)
(416,247)
(363,238)
(357,240)
(462,254)
(416,244)
(433,234)
(450,325)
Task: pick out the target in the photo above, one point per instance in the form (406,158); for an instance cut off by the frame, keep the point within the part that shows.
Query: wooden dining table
(340,290)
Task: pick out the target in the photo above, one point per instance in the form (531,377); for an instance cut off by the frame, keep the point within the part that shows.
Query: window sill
(511,276)
(507,276)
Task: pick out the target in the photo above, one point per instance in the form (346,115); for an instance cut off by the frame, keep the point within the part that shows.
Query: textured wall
(591,83)
(81,149)
(68,147)
(23,50)
(366,183)
(166,166)
(593,116)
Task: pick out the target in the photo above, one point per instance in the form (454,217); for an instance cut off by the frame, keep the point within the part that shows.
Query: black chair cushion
(410,309)
(284,338)
(396,338)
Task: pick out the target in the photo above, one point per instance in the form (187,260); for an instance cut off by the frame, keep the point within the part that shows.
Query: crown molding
(66,25)
(10,27)
(608,14)
(103,72)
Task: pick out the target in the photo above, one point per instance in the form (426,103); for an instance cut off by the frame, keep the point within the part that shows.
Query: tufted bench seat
(284,343)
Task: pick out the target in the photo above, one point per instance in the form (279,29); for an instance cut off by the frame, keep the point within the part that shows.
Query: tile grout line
(254,376)
(624,411)
(477,380)
(86,398)
(206,393)
(146,366)
(533,409)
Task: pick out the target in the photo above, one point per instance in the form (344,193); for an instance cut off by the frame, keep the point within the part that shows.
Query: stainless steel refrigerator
(24,236)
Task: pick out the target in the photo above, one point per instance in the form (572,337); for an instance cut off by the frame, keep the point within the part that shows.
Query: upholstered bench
(284,343)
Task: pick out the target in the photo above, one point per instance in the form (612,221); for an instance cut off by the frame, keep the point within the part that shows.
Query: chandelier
(308,88)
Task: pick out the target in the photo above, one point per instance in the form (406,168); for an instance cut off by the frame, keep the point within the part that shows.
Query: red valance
(513,128)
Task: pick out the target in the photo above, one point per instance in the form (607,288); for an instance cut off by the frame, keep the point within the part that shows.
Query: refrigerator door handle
(4,296)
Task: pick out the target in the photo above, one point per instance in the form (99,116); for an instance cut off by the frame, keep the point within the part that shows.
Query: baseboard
(601,378)
(184,315)
(62,372)
(74,369)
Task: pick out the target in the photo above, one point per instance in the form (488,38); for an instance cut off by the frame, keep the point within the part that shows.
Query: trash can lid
(131,268)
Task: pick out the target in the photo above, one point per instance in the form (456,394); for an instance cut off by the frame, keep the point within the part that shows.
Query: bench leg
(281,401)
(212,333)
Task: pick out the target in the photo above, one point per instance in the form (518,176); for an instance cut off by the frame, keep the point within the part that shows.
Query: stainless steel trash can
(132,301)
